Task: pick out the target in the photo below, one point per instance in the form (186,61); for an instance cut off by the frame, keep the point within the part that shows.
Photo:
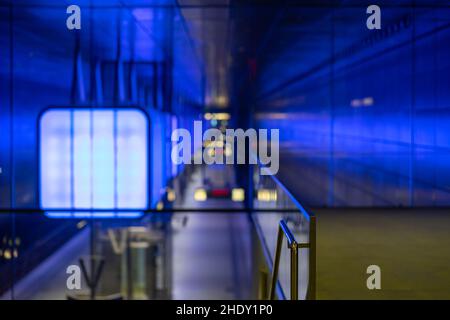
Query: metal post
(276,264)
(262,290)
(129,266)
(294,271)
(311,294)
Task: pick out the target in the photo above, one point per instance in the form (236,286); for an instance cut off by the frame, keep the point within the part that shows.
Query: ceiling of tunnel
(209,29)
(228,40)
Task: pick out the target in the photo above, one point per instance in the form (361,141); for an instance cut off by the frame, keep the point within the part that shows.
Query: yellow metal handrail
(293,245)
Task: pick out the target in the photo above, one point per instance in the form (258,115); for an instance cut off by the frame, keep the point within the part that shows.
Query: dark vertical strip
(93,63)
(435,105)
(164,86)
(11,149)
(118,87)
(413,107)
(155,85)
(331,163)
(170,50)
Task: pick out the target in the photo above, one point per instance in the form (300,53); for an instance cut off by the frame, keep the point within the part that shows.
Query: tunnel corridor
(224,150)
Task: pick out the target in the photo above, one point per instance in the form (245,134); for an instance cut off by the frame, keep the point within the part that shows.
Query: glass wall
(124,56)
(362,113)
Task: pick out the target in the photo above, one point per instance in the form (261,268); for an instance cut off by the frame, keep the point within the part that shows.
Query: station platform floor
(409,245)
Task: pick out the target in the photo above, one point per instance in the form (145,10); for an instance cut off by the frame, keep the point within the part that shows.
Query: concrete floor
(212,254)
(411,246)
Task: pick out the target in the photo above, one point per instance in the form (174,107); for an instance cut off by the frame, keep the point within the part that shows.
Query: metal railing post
(293,246)
(294,271)
(311,294)
(276,264)
(262,286)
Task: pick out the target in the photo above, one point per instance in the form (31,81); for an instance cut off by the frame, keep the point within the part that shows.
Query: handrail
(286,190)
(306,214)
(287,232)
(293,245)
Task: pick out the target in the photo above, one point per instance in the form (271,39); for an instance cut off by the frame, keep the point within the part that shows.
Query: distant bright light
(200,195)
(159,206)
(368,101)
(222,101)
(93,159)
(222,116)
(365,102)
(267,195)
(171,197)
(238,195)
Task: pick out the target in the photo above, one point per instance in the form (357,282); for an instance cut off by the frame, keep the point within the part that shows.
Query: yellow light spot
(220,116)
(368,101)
(171,195)
(200,195)
(222,101)
(238,194)
(160,206)
(267,195)
(7,254)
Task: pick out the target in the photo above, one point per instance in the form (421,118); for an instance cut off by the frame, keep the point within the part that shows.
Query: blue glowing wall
(364,115)
(93,159)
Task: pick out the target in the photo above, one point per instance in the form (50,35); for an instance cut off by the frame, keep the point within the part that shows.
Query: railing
(293,246)
(293,205)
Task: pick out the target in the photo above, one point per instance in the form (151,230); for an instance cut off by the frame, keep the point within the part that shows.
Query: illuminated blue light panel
(93,159)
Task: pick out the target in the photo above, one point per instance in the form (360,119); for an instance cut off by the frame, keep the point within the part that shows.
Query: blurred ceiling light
(368,101)
(222,101)
(267,195)
(7,254)
(200,195)
(171,195)
(365,102)
(220,116)
(238,195)
(137,229)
